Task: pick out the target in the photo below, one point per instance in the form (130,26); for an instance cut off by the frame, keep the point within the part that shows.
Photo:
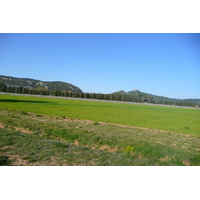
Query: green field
(48,132)
(178,120)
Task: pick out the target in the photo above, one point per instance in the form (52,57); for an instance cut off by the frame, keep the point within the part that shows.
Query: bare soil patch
(23,130)
(165,159)
(186,162)
(2,125)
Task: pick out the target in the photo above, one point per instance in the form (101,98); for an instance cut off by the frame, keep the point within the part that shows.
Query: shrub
(65,133)
(61,145)
(128,149)
(38,115)
(23,112)
(4,161)
(187,127)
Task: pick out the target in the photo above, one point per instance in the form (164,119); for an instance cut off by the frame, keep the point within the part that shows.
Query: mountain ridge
(29,83)
(52,86)
(157,98)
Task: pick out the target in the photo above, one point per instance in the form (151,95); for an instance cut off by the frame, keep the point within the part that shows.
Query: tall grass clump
(65,134)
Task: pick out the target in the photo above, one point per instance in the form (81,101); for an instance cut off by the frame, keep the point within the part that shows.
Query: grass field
(170,119)
(42,131)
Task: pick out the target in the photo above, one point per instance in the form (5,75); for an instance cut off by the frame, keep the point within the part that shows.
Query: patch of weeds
(86,131)
(31,157)
(71,118)
(187,127)
(23,112)
(96,139)
(110,141)
(13,116)
(27,126)
(38,115)
(43,158)
(4,161)
(36,130)
(25,157)
(65,134)
(48,131)
(96,123)
(32,160)
(61,145)
(128,149)
(83,140)
(195,160)
(150,151)
(6,140)
(9,121)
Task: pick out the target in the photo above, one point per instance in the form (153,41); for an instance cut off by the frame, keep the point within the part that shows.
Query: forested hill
(57,88)
(38,84)
(150,98)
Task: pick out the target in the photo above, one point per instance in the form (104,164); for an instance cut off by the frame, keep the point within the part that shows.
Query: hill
(155,98)
(28,83)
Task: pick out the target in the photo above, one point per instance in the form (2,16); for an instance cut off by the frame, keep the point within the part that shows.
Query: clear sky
(160,64)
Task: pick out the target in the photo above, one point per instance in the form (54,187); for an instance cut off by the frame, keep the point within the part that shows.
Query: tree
(87,96)
(3,87)
(20,89)
(70,94)
(106,97)
(111,97)
(57,93)
(119,97)
(11,89)
(94,95)
(82,95)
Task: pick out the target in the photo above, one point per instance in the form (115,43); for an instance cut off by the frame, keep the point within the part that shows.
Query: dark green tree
(3,87)
(93,95)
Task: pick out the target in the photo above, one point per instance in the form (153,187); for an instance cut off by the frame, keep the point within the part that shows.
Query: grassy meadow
(170,119)
(44,131)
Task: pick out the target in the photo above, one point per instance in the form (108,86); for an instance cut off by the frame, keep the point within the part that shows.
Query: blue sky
(160,64)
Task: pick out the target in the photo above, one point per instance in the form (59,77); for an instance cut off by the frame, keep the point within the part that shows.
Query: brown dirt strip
(104,147)
(23,130)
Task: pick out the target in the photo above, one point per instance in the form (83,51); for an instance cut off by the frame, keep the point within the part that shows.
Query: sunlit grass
(51,140)
(170,119)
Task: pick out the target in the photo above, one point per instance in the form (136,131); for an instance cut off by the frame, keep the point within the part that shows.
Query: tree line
(140,98)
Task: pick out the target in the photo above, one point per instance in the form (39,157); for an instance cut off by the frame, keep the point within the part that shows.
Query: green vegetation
(169,119)
(33,86)
(44,140)
(162,100)
(128,149)
(57,88)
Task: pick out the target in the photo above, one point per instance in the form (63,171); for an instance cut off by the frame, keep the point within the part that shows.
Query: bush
(38,115)
(96,123)
(4,161)
(61,145)
(128,149)
(23,112)
(65,133)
